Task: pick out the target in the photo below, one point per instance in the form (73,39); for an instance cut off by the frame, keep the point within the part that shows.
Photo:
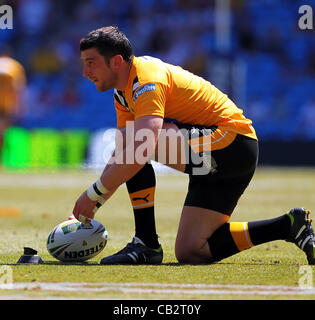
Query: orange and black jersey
(158,88)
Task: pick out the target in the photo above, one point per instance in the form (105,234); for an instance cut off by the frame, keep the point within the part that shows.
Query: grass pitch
(268,271)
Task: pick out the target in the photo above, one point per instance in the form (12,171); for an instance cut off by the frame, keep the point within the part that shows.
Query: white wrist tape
(96,190)
(100,186)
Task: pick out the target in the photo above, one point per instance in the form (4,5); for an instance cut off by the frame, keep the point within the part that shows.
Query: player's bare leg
(195,228)
(206,236)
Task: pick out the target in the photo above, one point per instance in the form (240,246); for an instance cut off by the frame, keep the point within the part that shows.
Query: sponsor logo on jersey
(145,88)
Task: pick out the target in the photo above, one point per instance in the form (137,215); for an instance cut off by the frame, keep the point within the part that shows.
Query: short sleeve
(150,99)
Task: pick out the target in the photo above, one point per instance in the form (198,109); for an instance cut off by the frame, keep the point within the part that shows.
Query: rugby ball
(73,241)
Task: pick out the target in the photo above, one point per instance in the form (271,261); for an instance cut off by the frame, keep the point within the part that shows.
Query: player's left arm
(118,171)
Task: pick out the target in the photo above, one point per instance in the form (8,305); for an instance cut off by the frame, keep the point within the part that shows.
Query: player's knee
(188,253)
(184,256)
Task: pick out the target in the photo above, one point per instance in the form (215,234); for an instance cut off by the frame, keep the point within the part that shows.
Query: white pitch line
(163,288)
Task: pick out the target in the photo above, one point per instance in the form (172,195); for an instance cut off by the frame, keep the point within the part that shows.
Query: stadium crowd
(268,68)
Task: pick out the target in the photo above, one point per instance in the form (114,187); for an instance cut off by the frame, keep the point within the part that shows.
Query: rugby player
(12,93)
(163,103)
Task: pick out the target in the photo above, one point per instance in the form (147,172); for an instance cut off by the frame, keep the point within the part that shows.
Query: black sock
(145,227)
(141,189)
(235,237)
(269,230)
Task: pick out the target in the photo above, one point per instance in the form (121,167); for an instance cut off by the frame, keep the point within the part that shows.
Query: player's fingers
(84,219)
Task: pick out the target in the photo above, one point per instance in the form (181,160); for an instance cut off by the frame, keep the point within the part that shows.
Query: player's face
(96,70)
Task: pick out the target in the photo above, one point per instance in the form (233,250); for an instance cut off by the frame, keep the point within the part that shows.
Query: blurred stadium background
(252,50)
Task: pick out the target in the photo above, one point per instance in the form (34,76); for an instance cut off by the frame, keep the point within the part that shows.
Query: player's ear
(116,61)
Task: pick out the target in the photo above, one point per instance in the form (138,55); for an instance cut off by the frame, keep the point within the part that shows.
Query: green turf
(46,199)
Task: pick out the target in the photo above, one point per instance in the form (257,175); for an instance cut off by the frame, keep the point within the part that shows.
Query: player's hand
(84,206)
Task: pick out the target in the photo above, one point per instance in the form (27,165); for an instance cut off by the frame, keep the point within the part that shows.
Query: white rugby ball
(72,241)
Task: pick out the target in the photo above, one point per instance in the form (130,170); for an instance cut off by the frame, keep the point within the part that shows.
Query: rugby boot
(301,232)
(136,252)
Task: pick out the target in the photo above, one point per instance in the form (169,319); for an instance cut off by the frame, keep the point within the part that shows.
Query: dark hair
(108,41)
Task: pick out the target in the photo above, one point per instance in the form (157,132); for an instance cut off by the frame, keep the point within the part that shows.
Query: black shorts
(232,169)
